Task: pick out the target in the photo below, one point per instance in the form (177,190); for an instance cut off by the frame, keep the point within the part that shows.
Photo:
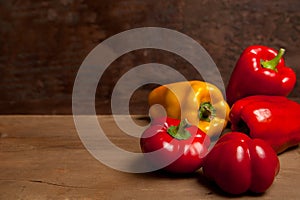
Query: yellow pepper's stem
(206,112)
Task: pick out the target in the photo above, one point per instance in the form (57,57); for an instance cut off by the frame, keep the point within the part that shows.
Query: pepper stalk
(272,64)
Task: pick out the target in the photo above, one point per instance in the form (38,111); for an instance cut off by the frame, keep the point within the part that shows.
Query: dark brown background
(43,43)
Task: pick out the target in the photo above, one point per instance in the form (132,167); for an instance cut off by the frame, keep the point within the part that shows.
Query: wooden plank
(42,157)
(43,43)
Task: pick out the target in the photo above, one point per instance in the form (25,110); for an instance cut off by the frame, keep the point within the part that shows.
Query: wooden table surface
(42,157)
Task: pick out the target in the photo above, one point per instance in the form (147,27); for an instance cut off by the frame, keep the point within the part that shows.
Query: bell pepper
(275,119)
(201,103)
(238,164)
(174,145)
(260,70)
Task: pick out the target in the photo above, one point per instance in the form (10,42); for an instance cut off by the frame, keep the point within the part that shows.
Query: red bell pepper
(260,70)
(275,119)
(174,145)
(238,163)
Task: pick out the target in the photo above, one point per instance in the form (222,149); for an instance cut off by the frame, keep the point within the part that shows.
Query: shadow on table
(201,180)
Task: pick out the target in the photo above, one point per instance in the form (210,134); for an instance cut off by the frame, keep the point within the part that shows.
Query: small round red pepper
(260,70)
(238,163)
(174,145)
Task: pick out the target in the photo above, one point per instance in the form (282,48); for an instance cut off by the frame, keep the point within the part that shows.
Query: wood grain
(43,43)
(42,157)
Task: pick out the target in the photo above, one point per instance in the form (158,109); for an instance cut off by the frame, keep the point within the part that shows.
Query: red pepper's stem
(179,132)
(182,126)
(272,64)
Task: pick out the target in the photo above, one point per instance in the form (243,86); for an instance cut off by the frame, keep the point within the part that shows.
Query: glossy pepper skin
(201,103)
(178,147)
(260,70)
(238,163)
(275,119)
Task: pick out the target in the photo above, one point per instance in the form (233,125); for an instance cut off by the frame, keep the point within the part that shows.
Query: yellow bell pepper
(201,103)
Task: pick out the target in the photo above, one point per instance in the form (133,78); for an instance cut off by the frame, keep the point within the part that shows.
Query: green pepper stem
(272,64)
(206,112)
(179,132)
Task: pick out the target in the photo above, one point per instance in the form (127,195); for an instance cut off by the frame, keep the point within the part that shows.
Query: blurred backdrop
(43,43)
